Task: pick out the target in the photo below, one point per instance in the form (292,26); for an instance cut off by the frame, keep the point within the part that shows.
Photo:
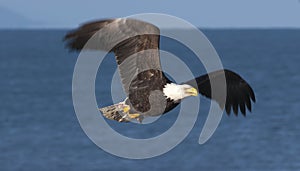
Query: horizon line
(204,28)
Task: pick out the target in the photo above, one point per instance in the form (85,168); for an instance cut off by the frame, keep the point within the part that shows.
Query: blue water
(39,129)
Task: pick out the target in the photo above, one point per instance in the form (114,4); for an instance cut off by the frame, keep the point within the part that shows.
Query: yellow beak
(192,91)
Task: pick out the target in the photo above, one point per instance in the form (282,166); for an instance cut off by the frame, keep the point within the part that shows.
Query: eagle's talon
(134,116)
(126,109)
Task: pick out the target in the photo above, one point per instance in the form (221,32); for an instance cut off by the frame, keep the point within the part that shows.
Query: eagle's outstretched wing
(238,92)
(135,44)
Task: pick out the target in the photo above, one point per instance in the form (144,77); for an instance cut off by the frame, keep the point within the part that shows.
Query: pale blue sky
(202,13)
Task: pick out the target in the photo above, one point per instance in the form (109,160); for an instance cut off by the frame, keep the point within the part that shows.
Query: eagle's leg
(126,109)
(115,112)
(136,116)
(120,113)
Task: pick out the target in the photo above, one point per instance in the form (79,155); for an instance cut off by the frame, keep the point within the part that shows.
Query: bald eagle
(141,72)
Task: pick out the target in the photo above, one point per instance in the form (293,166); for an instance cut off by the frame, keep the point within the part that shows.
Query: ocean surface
(40,131)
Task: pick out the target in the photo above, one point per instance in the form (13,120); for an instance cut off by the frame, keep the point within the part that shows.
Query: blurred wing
(239,93)
(135,44)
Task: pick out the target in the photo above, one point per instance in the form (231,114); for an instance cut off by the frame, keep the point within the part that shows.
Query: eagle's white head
(177,92)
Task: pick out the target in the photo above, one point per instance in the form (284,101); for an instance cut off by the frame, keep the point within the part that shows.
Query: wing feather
(134,42)
(238,92)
